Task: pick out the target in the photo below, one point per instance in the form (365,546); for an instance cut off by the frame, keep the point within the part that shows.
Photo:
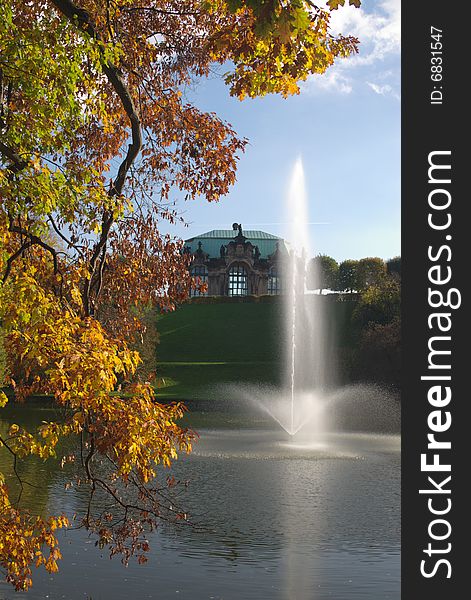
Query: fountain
(310,404)
(308,374)
(303,319)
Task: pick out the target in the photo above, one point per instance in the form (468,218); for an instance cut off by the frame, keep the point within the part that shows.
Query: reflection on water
(277,519)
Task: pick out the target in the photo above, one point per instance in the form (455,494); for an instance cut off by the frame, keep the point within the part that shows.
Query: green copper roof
(211,241)
(231,233)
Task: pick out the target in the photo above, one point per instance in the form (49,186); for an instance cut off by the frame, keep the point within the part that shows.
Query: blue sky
(345,125)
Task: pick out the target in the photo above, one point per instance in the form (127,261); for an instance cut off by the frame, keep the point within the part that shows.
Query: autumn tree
(379,304)
(370,271)
(377,321)
(347,276)
(97,144)
(323,273)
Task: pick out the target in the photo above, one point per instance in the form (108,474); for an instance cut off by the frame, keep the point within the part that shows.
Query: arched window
(274,282)
(200,275)
(237,281)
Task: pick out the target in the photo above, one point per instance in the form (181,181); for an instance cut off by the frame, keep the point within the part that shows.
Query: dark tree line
(375,323)
(325,273)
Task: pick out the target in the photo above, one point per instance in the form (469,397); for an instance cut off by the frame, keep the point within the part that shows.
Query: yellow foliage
(81,365)
(24,540)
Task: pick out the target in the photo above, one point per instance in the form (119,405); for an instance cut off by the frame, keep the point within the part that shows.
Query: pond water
(312,519)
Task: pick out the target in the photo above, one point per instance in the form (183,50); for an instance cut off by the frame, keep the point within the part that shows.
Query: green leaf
(334,4)
(300,19)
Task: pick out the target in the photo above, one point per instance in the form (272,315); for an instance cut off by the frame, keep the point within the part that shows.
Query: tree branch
(15,459)
(13,257)
(18,163)
(37,240)
(63,237)
(82,18)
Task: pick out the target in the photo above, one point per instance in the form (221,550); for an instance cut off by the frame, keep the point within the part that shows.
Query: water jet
(310,404)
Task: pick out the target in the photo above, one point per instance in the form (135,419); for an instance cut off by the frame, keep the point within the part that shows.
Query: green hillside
(202,346)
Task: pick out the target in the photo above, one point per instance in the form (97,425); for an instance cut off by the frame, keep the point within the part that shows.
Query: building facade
(236,263)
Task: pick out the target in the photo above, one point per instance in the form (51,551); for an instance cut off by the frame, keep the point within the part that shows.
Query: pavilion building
(236,263)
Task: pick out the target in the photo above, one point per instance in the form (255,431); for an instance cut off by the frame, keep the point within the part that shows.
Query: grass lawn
(203,346)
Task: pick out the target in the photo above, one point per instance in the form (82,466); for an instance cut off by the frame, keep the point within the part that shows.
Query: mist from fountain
(310,404)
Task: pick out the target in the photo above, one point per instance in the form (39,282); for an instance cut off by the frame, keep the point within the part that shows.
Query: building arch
(238,279)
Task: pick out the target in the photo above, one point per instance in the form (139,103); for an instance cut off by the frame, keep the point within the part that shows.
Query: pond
(280,519)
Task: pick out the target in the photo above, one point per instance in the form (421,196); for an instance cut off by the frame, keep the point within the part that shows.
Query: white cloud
(379,89)
(383,90)
(379,31)
(333,80)
(378,27)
